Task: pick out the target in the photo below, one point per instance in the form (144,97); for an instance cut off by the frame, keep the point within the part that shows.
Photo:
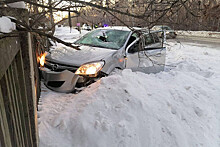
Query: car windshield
(113,39)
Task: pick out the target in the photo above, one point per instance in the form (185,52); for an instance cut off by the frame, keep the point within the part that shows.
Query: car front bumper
(64,81)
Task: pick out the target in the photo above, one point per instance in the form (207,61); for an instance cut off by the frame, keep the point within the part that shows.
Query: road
(202,41)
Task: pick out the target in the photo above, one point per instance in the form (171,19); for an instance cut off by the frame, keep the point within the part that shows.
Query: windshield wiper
(98,46)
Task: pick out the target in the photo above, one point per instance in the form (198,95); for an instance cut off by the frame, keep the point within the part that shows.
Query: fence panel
(18,113)
(17,101)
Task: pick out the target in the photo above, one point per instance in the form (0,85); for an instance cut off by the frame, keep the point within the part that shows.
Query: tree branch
(25,27)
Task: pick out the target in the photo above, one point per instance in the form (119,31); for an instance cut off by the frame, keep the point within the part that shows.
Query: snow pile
(199,33)
(175,108)
(20,4)
(6,26)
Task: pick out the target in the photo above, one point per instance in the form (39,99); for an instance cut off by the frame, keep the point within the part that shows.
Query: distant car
(102,51)
(86,27)
(170,33)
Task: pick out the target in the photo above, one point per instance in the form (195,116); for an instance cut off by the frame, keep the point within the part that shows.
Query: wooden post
(27,56)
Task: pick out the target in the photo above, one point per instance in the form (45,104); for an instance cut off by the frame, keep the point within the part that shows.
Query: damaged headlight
(90,69)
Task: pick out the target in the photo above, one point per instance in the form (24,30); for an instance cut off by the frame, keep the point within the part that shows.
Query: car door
(151,59)
(132,59)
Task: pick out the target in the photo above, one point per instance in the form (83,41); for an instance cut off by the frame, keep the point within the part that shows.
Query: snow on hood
(71,56)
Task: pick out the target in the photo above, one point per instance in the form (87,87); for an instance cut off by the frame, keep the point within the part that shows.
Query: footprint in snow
(198,111)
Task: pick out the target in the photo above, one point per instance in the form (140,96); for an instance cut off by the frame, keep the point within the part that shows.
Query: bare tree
(146,13)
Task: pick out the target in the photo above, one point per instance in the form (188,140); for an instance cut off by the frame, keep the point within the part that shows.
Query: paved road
(210,42)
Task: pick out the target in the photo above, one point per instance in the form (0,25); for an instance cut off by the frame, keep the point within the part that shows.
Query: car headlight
(42,59)
(90,69)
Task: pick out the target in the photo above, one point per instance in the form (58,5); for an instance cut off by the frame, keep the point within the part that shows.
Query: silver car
(102,51)
(170,33)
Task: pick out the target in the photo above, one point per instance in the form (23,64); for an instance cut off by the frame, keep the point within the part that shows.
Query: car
(102,51)
(86,27)
(170,33)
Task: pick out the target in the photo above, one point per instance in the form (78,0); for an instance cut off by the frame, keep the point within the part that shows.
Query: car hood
(74,57)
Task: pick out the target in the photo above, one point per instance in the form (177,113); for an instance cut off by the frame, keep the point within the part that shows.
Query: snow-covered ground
(175,108)
(67,34)
(199,34)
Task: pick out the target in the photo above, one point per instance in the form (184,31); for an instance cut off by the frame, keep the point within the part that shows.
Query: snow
(200,33)
(178,107)
(20,4)
(69,35)
(6,26)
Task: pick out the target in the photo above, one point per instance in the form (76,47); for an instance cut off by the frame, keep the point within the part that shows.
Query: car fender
(115,61)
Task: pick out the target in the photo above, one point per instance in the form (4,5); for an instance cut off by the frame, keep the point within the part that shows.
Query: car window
(106,38)
(156,38)
(149,39)
(165,28)
(134,48)
(132,39)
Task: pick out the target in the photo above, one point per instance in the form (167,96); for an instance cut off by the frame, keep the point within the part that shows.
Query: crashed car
(101,52)
(170,33)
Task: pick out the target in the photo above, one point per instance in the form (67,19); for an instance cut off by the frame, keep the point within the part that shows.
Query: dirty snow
(6,26)
(175,108)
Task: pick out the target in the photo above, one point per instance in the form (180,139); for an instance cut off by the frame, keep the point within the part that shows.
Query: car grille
(59,67)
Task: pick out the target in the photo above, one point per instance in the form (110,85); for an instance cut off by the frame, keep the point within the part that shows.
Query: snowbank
(6,26)
(199,33)
(175,108)
(20,4)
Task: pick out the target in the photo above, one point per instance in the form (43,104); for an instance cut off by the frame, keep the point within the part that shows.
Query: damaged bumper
(64,81)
